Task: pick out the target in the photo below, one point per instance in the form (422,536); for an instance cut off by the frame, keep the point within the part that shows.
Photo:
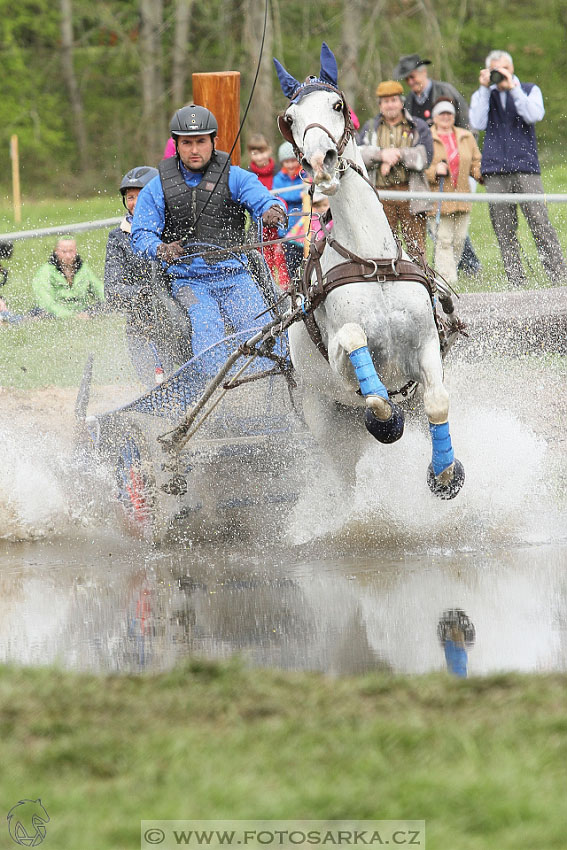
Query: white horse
(379,334)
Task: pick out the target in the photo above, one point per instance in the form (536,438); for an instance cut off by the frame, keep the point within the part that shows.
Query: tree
(261,114)
(350,48)
(180,58)
(79,127)
(151,70)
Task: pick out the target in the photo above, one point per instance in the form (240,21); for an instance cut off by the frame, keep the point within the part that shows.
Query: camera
(496,77)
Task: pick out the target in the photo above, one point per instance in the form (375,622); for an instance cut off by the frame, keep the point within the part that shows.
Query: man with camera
(508,110)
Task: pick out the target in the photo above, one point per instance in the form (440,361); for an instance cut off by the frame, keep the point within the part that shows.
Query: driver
(199,197)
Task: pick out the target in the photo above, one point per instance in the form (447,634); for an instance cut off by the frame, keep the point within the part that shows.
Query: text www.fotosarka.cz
(168,834)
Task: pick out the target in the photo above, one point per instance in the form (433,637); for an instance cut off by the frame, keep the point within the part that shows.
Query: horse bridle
(307,88)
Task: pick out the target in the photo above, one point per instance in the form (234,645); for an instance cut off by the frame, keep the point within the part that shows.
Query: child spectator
(261,160)
(288,178)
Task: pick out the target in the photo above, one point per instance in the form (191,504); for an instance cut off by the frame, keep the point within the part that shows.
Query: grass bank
(483,761)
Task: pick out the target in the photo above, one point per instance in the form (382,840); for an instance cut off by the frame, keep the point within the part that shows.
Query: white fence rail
(473,197)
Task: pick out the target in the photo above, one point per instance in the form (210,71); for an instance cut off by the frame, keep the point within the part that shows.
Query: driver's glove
(169,252)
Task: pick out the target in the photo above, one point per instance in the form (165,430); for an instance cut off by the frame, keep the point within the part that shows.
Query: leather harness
(355,269)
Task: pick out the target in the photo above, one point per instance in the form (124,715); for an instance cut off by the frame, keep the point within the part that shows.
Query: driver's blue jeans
(214,300)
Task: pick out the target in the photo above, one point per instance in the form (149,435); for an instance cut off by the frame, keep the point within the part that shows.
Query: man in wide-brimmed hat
(397,148)
(425,92)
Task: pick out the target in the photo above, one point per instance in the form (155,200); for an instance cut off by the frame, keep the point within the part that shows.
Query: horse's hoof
(385,430)
(447,484)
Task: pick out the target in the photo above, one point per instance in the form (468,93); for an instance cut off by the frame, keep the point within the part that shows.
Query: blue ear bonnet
(328,77)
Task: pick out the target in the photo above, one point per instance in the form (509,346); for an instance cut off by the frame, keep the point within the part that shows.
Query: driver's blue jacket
(149,217)
(213,293)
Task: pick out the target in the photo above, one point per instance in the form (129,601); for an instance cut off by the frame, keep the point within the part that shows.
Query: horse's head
(317,121)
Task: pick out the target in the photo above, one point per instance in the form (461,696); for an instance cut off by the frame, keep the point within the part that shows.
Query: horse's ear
(288,83)
(329,71)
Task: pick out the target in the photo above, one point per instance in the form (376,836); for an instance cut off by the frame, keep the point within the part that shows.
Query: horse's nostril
(330,160)
(305,164)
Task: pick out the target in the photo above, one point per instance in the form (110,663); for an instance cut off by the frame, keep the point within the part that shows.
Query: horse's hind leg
(445,475)
(383,418)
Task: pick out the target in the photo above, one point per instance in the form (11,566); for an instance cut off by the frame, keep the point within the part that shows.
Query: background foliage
(109,57)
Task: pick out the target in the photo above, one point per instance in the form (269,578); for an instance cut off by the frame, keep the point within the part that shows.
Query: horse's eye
(338,107)
(288,120)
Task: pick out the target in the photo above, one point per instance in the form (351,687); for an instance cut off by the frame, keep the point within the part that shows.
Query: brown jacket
(469,164)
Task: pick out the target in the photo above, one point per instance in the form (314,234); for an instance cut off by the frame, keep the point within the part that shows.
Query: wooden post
(220,92)
(17,200)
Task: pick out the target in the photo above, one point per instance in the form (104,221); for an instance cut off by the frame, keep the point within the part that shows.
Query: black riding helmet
(137,178)
(193,120)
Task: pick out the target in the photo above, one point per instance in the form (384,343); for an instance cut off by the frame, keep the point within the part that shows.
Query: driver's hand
(275,216)
(169,252)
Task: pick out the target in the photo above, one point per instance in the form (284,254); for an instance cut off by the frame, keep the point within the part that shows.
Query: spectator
(424,93)
(7,316)
(65,285)
(308,228)
(199,196)
(508,110)
(455,157)
(396,149)
(262,163)
(288,178)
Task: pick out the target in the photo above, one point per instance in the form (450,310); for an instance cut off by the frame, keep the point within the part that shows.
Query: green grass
(41,353)
(483,761)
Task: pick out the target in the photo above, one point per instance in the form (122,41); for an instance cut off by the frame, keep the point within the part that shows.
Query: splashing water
(32,499)
(508,494)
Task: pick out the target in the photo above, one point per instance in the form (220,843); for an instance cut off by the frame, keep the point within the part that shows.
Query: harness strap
(353,272)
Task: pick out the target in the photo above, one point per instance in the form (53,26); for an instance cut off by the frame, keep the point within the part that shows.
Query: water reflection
(113,606)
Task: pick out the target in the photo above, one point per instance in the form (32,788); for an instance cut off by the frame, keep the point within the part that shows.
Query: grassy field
(482,761)
(41,353)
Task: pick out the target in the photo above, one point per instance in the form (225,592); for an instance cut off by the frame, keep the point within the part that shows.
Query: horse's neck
(359,221)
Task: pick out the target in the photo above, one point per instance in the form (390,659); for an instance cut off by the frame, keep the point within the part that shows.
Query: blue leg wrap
(370,383)
(456,658)
(443,455)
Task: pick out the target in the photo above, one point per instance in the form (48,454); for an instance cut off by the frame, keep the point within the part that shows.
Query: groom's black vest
(223,220)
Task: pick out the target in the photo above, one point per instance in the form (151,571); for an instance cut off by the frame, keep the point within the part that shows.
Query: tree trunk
(79,127)
(153,94)
(434,40)
(260,117)
(352,31)
(180,58)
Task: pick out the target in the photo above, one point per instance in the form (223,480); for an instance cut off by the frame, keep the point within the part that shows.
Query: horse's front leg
(383,418)
(445,475)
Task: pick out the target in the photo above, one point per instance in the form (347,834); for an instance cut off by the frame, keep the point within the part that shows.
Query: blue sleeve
(149,219)
(245,188)
(282,181)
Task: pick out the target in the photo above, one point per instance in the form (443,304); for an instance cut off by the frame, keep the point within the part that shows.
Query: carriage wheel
(136,487)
